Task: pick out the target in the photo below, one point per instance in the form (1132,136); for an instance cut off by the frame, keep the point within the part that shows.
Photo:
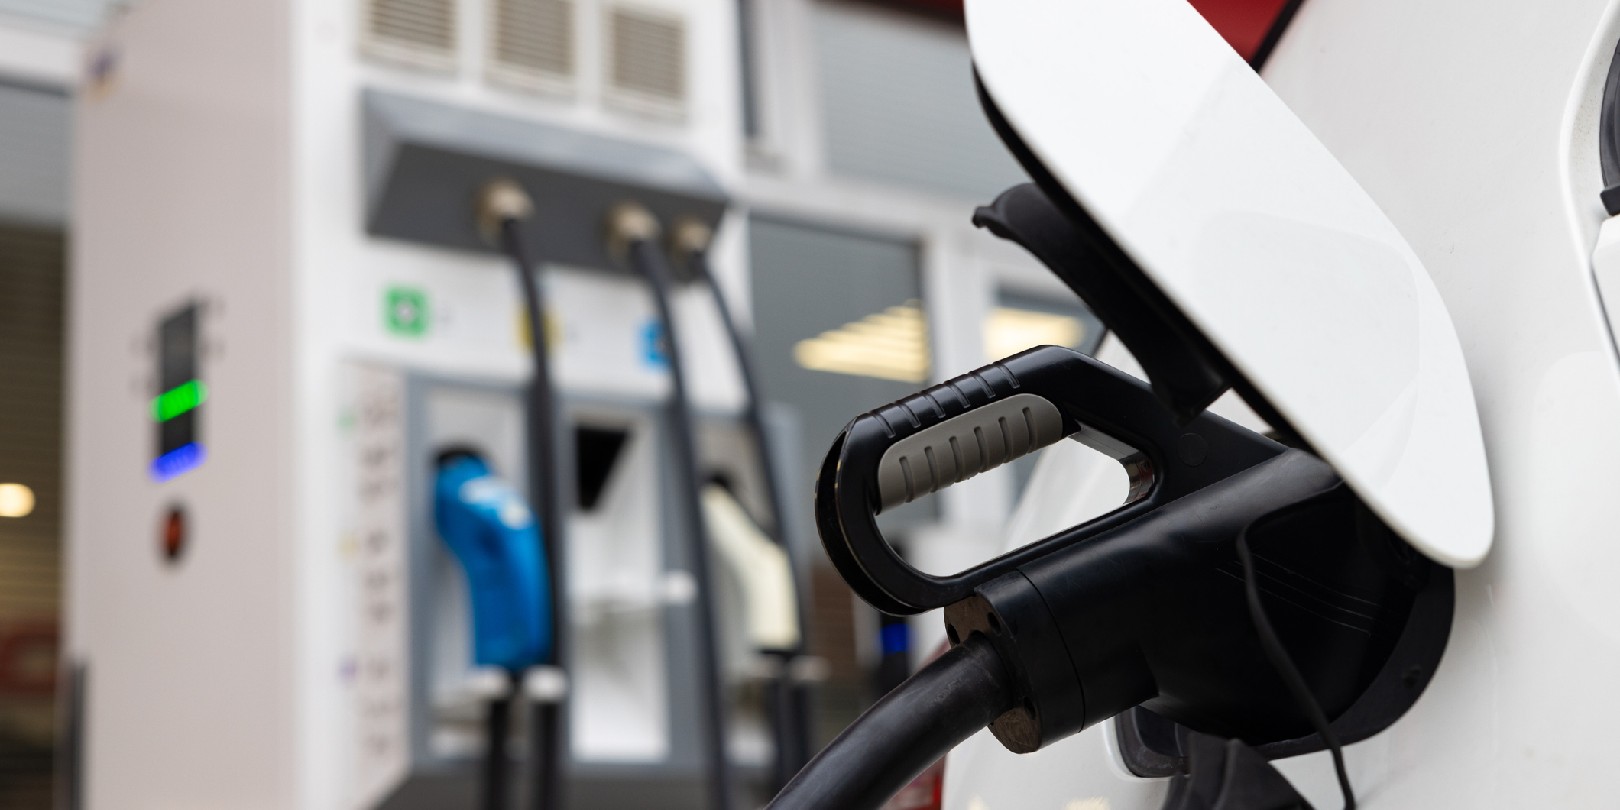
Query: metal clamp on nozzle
(690,237)
(627,224)
(501,201)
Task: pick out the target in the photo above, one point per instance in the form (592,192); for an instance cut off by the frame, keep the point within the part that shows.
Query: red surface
(1243,22)
(28,659)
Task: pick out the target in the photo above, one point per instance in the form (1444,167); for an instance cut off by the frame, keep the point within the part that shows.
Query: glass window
(1020,321)
(898,106)
(838,330)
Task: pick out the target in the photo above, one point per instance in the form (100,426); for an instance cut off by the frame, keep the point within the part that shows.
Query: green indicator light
(178,400)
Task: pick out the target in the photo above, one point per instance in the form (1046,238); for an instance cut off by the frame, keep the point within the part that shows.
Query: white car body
(1474,127)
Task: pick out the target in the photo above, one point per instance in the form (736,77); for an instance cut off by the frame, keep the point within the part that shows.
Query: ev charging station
(273,366)
(1332,595)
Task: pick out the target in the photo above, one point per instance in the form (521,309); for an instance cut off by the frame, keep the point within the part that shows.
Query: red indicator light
(172,536)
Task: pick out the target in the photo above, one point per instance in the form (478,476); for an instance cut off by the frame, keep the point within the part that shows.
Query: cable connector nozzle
(690,237)
(627,224)
(500,201)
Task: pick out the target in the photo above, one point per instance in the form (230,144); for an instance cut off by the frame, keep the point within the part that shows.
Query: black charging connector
(1244,593)
(1155,613)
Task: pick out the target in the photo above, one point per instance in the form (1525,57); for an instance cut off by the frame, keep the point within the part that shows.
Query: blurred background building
(851,141)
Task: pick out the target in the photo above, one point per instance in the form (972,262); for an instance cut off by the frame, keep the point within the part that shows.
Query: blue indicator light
(652,345)
(895,638)
(181,459)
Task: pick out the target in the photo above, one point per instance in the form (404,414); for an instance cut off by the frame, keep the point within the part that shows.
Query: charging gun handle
(493,534)
(989,417)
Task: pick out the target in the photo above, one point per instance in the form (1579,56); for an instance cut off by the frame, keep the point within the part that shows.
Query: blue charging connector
(493,533)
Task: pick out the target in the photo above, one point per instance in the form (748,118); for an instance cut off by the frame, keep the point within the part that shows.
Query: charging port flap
(1227,215)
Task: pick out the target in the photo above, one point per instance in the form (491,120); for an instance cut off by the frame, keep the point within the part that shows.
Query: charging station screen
(175,408)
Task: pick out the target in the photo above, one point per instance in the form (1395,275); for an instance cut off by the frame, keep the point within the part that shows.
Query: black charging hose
(752,413)
(496,783)
(648,259)
(941,705)
(788,704)
(547,743)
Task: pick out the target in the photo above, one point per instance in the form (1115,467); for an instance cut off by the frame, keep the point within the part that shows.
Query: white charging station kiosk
(260,614)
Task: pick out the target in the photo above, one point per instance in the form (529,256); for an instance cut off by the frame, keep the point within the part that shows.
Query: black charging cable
(918,722)
(505,206)
(547,741)
(1280,660)
(787,702)
(635,232)
(497,724)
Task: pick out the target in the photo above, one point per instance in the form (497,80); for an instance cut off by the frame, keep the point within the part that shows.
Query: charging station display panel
(176,408)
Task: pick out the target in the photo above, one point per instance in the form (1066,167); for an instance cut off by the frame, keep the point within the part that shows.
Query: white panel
(620,706)
(76,15)
(181,188)
(38,57)
(1260,237)
(373,556)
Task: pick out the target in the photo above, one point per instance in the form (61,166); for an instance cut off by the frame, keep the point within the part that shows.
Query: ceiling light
(16,500)
(1008,331)
(889,345)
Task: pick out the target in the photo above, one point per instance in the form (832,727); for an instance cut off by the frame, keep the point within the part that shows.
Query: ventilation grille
(421,33)
(532,43)
(647,61)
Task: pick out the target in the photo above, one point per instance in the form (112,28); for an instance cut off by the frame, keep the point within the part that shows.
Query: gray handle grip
(964,446)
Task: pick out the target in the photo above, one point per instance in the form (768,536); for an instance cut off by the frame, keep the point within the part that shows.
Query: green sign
(405,311)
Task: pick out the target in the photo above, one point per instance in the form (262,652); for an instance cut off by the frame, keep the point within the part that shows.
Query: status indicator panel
(176,410)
